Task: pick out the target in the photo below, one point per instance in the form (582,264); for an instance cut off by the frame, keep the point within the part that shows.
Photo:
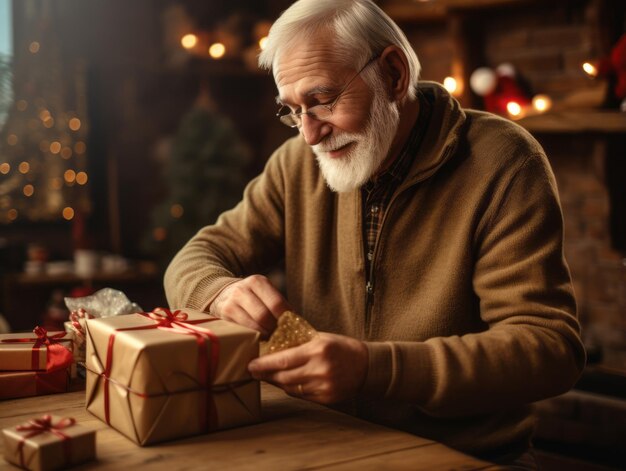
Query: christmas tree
(205,174)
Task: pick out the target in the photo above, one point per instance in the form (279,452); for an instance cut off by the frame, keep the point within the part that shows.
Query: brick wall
(547,42)
(547,45)
(598,271)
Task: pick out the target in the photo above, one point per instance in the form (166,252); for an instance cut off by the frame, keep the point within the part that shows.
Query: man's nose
(313,130)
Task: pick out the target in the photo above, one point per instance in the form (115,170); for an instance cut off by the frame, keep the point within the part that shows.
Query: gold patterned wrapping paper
(47,450)
(153,391)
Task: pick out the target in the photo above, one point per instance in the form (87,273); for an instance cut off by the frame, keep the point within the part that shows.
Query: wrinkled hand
(252,302)
(328,369)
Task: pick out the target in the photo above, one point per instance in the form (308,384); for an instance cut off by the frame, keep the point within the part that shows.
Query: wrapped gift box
(30,351)
(14,384)
(165,375)
(49,442)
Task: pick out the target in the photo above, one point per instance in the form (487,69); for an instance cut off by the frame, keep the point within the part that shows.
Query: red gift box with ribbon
(36,351)
(49,442)
(168,374)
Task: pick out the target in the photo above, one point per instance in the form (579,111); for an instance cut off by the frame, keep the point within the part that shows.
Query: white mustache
(335,142)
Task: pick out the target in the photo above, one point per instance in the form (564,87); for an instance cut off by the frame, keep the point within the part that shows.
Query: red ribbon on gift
(45,425)
(75,317)
(177,322)
(58,356)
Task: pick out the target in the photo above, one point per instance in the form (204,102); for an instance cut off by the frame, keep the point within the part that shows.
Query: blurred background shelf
(577,121)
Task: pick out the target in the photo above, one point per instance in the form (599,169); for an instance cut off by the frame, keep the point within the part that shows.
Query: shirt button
(374,209)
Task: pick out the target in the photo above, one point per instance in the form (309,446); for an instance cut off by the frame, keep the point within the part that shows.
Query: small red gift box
(49,442)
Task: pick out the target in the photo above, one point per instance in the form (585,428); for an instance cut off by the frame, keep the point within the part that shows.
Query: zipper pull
(369,291)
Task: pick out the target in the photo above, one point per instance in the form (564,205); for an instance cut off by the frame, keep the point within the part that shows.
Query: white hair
(361,28)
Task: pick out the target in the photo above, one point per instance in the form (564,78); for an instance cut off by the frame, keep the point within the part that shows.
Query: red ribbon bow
(44,425)
(177,322)
(58,356)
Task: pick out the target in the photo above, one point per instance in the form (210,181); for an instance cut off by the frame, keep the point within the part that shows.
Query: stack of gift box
(153,376)
(35,363)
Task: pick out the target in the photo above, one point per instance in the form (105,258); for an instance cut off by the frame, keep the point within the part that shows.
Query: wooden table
(294,434)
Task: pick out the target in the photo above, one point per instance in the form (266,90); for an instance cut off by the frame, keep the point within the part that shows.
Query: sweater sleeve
(243,241)
(531,348)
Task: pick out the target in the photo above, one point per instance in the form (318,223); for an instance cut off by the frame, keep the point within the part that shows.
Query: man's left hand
(328,369)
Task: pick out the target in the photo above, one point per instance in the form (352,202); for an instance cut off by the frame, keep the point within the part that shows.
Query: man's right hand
(252,302)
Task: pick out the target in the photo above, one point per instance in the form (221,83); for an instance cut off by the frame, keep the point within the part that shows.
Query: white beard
(353,170)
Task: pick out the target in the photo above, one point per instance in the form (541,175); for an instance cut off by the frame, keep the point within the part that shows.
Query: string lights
(228,40)
(43,166)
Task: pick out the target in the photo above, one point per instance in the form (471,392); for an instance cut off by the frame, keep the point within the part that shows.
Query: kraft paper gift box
(14,384)
(37,350)
(165,375)
(49,442)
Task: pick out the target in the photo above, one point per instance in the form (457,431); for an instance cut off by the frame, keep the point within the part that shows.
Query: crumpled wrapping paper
(107,302)
(104,303)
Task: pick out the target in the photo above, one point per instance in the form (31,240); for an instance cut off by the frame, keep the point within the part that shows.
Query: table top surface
(294,434)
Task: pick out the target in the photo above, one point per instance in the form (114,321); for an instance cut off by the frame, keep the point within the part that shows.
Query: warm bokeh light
(24,167)
(542,103)
(189,41)
(514,108)
(11,139)
(34,47)
(81,178)
(12,214)
(217,50)
(5,168)
(263,42)
(48,123)
(74,124)
(69,176)
(56,183)
(22,105)
(449,83)
(55,147)
(44,114)
(28,190)
(176,211)
(80,147)
(66,152)
(68,213)
(159,234)
(590,69)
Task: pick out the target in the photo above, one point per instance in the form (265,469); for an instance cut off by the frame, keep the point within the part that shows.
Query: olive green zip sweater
(472,312)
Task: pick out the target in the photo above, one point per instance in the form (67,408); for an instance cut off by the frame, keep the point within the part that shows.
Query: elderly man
(422,240)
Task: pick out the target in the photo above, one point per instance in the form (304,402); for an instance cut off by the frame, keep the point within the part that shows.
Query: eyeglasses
(319,112)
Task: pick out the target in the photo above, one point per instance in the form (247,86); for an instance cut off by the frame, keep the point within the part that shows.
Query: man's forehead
(309,65)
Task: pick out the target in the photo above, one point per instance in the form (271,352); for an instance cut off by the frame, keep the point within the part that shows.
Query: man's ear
(395,70)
